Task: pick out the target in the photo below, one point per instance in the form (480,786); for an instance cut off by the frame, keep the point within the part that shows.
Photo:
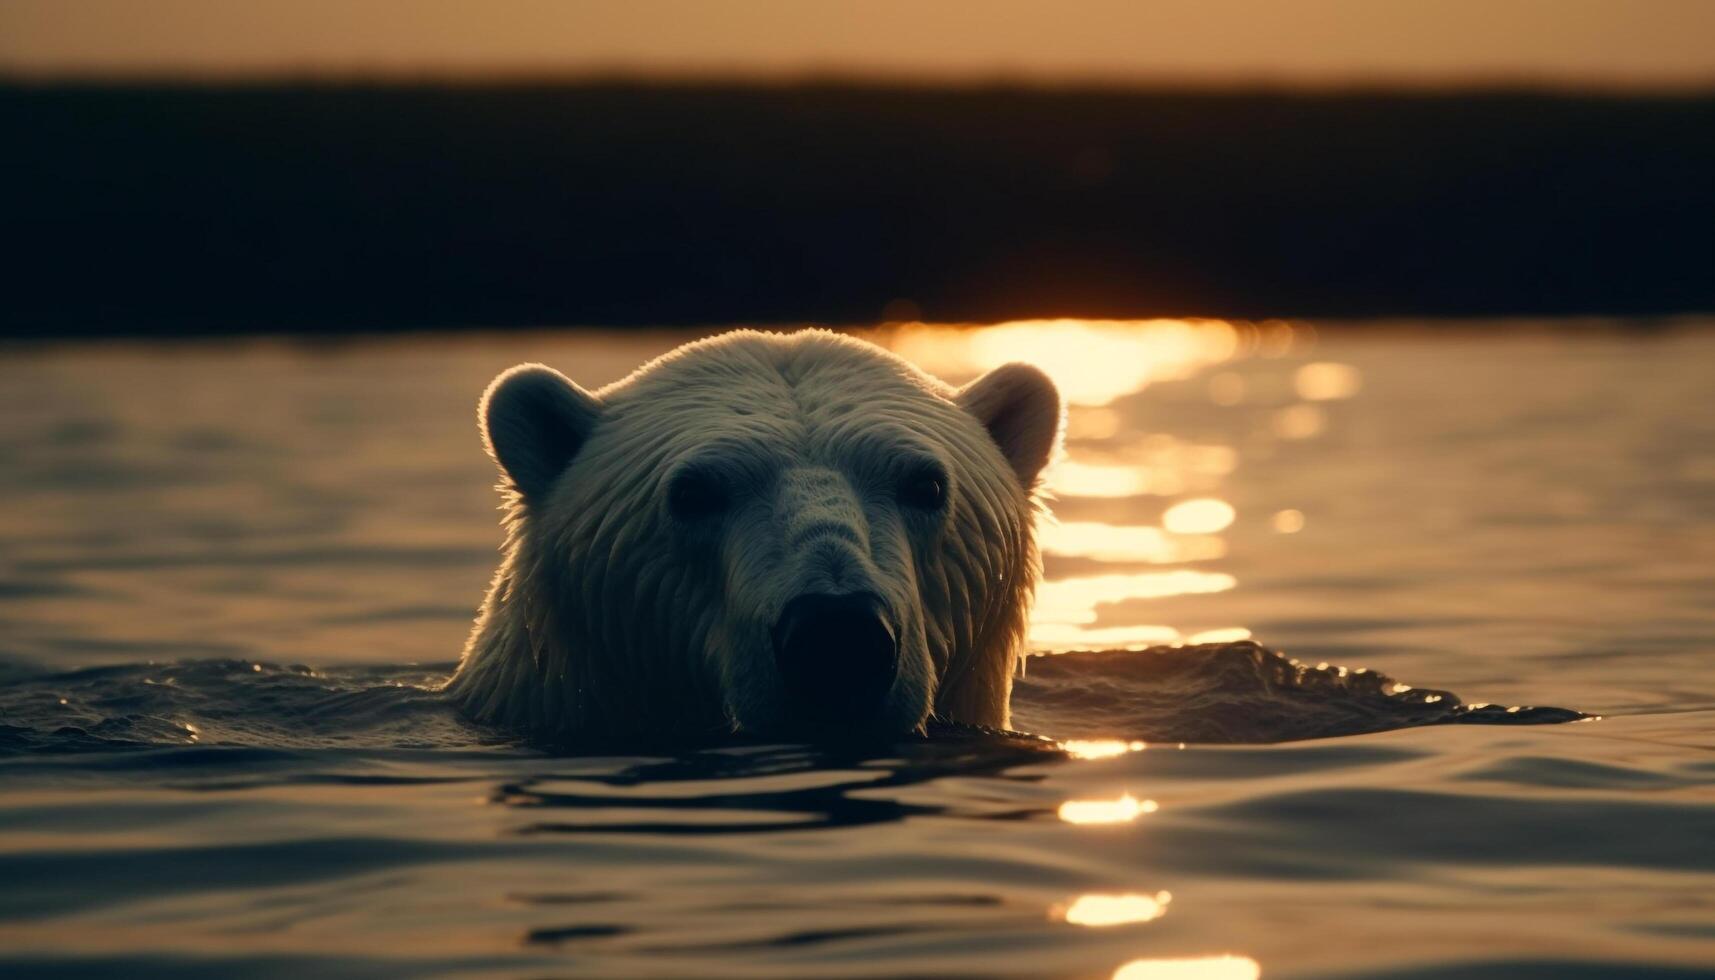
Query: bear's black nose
(837,657)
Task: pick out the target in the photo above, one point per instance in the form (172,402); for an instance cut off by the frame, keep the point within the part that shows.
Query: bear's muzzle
(838,656)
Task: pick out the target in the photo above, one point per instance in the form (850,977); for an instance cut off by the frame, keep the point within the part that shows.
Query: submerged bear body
(770,533)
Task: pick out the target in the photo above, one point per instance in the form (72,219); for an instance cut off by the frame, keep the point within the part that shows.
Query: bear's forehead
(804,392)
(802,376)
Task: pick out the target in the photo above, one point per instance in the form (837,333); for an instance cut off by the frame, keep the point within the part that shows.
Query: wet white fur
(608,615)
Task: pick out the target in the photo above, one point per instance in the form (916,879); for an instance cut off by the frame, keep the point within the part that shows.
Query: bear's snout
(837,655)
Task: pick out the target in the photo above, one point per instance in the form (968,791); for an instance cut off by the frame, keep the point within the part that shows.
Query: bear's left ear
(1020,407)
(534,420)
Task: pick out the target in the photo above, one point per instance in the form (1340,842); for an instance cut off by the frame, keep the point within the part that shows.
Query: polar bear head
(770,533)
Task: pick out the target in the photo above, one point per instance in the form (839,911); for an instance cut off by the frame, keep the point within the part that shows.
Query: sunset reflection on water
(1142,512)
(1141,515)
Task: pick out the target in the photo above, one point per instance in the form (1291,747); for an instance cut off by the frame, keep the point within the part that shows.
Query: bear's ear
(1020,407)
(534,420)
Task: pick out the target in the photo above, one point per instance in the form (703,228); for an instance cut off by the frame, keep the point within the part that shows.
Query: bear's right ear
(534,420)
(1021,409)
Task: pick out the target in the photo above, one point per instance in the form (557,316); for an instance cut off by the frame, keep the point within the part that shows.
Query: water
(230,572)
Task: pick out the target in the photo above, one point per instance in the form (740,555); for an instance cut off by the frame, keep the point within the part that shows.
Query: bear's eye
(696,496)
(924,489)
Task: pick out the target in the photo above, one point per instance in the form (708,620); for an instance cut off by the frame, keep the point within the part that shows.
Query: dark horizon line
(1631,324)
(999,80)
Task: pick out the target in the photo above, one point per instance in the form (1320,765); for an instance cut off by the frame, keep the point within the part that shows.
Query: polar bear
(775,534)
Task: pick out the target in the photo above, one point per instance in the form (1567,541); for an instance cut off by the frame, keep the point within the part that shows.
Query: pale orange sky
(1601,41)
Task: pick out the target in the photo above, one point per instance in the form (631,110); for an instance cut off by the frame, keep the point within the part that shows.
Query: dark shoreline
(377,206)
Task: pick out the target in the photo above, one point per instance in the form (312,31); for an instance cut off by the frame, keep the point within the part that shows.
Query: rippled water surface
(230,574)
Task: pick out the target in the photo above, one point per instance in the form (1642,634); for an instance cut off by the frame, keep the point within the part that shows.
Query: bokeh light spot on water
(1227,389)
(1125,809)
(1202,516)
(1322,381)
(1300,422)
(1227,967)
(1288,521)
(1113,910)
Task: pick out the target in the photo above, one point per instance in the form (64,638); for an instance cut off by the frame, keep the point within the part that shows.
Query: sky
(1602,42)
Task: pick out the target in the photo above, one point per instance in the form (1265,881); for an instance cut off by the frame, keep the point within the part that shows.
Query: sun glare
(1093,361)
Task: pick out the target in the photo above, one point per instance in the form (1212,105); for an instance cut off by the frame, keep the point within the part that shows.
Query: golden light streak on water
(1122,543)
(1123,810)
(1157,466)
(1099,910)
(1228,967)
(1065,637)
(1065,613)
(1070,478)
(1100,748)
(1074,600)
